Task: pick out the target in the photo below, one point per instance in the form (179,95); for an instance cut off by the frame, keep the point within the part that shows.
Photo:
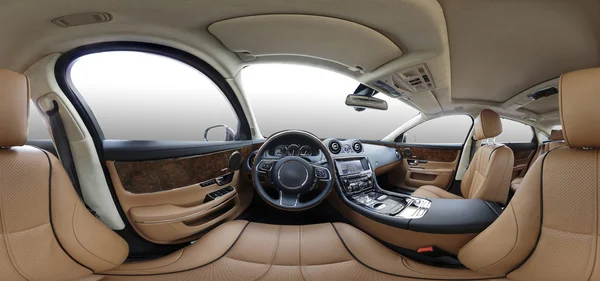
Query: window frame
(533,139)
(64,63)
(401,136)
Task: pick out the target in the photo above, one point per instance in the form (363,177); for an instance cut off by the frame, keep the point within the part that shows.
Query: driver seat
(547,232)
(489,173)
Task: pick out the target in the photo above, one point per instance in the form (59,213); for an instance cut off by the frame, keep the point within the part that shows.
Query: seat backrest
(489,173)
(550,229)
(47,232)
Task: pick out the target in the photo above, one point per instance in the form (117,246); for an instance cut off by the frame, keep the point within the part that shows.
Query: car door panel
(425,165)
(169,200)
(523,153)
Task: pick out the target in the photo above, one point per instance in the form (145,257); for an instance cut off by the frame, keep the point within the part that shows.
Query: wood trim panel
(167,174)
(432,154)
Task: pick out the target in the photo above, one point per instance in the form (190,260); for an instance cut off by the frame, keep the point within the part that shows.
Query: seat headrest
(556,135)
(578,100)
(14,108)
(487,125)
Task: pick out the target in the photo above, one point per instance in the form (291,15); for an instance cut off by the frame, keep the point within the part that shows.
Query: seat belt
(473,149)
(63,148)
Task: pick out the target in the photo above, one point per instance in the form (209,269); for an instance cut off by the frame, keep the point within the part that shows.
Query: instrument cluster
(283,150)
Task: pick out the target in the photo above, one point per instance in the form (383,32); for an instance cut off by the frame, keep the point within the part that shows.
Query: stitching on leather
(300,252)
(77,238)
(5,237)
(272,255)
(541,214)
(513,247)
(398,275)
(560,108)
(596,220)
(189,269)
(50,168)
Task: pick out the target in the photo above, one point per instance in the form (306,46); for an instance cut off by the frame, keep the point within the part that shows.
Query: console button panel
(357,183)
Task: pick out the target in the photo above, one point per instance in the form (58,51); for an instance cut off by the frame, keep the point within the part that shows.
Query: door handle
(413,162)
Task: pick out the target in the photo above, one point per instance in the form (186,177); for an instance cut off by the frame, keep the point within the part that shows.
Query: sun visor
(356,46)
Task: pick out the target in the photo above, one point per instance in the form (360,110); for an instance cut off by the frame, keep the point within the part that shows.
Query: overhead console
(358,188)
(414,84)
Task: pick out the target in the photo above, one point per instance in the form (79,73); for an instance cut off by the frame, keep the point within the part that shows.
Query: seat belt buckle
(425,250)
(433,251)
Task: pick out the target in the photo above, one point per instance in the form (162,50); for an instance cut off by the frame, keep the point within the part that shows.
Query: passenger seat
(489,173)
(556,140)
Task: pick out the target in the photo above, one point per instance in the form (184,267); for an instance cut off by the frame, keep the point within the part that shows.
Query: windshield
(287,96)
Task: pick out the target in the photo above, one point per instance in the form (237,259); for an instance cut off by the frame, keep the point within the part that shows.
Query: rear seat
(556,140)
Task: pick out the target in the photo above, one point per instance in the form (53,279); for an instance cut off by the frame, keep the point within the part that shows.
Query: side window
(37,128)
(443,130)
(141,96)
(513,131)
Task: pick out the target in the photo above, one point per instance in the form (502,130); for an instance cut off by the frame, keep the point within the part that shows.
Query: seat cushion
(514,184)
(240,250)
(430,191)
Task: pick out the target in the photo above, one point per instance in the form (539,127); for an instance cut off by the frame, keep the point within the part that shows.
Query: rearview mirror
(362,102)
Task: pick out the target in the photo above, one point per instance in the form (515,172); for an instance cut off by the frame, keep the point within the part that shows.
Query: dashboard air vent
(251,160)
(357,147)
(335,146)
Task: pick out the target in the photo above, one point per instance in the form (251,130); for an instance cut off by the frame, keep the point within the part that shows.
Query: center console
(359,186)
(359,190)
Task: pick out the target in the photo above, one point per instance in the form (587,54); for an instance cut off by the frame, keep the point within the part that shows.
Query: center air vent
(417,78)
(357,147)
(335,146)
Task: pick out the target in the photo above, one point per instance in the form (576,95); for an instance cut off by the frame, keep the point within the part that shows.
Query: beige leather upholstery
(556,135)
(14,108)
(487,125)
(489,173)
(557,140)
(240,250)
(579,108)
(553,236)
(46,231)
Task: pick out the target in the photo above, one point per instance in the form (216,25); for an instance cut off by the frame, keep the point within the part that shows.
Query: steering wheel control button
(266,166)
(321,173)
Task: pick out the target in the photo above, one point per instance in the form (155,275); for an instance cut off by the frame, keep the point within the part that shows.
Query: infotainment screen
(348,167)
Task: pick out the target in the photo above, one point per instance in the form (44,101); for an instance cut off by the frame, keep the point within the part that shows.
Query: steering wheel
(292,176)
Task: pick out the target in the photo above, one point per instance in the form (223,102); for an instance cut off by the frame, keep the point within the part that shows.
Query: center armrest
(449,216)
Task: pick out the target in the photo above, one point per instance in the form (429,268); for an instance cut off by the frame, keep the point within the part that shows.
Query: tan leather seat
(556,140)
(547,232)
(489,173)
(46,232)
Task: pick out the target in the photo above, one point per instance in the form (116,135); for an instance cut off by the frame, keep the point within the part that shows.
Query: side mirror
(218,131)
(361,102)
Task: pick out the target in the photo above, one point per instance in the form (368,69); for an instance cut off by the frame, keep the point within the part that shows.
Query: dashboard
(293,149)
